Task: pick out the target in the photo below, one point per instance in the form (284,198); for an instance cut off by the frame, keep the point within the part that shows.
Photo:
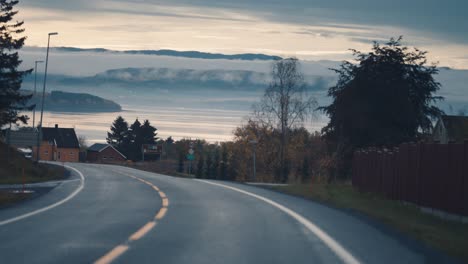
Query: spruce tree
(11,100)
(118,136)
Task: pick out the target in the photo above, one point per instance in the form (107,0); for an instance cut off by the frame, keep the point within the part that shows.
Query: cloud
(284,28)
(446,19)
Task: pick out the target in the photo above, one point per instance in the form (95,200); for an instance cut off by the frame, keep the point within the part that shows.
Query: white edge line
(14,219)
(339,250)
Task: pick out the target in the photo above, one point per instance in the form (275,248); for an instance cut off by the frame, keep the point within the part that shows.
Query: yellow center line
(143,231)
(120,249)
(165,202)
(161,213)
(112,255)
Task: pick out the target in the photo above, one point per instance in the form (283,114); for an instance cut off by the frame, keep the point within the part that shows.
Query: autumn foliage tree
(285,105)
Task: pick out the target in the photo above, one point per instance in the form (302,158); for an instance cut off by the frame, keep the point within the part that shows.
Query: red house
(104,153)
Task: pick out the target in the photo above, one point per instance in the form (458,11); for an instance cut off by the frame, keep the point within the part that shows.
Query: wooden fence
(428,175)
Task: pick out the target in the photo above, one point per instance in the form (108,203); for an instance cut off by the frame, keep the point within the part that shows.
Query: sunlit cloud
(312,30)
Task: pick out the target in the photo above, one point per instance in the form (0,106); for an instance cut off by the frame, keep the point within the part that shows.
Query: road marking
(112,255)
(339,250)
(143,231)
(68,198)
(161,213)
(165,202)
(120,249)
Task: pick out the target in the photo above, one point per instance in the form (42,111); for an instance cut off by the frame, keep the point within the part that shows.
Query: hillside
(174,53)
(58,101)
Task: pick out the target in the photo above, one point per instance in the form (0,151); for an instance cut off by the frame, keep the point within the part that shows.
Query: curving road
(112,214)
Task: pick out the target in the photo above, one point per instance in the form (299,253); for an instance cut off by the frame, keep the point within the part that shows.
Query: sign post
(151,149)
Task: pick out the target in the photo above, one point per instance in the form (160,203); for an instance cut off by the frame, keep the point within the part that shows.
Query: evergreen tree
(169,140)
(118,135)
(215,166)
(135,140)
(200,167)
(224,163)
(180,167)
(209,167)
(148,133)
(386,98)
(11,100)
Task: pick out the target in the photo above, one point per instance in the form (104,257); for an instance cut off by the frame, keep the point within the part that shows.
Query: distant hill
(58,101)
(175,53)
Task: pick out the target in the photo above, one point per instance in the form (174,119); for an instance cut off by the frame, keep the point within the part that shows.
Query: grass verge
(447,236)
(7,198)
(16,169)
(166,167)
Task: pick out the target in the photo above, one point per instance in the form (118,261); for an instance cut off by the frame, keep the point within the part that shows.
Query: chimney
(56,125)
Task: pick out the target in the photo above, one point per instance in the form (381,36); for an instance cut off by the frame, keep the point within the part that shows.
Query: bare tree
(285,104)
(83,143)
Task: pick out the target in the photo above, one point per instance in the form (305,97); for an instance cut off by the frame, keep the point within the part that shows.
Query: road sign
(190,156)
(152,149)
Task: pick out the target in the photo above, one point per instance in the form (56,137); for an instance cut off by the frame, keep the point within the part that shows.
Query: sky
(307,29)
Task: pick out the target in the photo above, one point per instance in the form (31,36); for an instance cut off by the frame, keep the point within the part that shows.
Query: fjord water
(209,114)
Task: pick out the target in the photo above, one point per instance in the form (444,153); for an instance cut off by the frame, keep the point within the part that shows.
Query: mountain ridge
(174,53)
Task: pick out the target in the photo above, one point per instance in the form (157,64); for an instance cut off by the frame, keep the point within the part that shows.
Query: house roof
(98,147)
(63,137)
(456,126)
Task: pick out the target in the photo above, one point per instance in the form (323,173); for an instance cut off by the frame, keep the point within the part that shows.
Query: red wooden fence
(429,175)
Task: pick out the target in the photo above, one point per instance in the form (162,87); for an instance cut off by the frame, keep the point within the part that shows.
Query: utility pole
(43,95)
(35,82)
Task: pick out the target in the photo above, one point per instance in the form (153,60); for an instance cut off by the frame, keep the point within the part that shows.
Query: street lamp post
(35,81)
(254,146)
(43,93)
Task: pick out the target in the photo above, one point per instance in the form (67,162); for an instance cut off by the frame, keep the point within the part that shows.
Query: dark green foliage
(305,173)
(11,100)
(180,165)
(224,163)
(118,136)
(209,167)
(200,168)
(169,141)
(386,98)
(215,166)
(129,140)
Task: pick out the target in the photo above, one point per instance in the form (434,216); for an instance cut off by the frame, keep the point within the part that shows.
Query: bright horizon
(318,30)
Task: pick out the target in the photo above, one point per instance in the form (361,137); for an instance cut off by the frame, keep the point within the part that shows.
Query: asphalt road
(121,215)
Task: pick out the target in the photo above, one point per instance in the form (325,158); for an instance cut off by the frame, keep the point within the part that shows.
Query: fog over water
(175,101)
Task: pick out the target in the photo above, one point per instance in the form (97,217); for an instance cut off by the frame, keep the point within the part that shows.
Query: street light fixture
(35,81)
(43,92)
